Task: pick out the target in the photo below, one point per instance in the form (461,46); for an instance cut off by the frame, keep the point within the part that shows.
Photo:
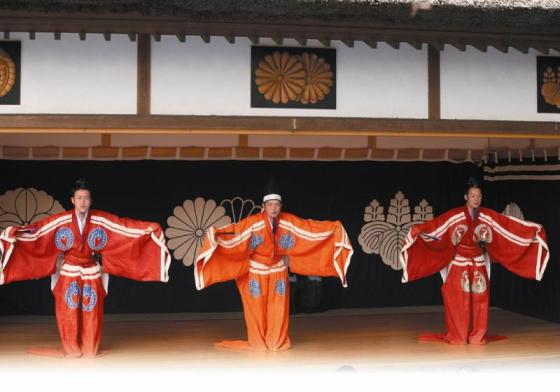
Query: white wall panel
(490,86)
(214,79)
(76,77)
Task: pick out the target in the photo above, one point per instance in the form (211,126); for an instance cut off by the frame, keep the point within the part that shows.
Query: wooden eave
(521,39)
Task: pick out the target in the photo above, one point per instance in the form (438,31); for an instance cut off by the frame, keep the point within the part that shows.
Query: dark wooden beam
(500,47)
(132,37)
(416,45)
(481,47)
(434,112)
(542,50)
(393,43)
(205,38)
(57,35)
(158,124)
(169,25)
(522,49)
(107,36)
(157,37)
(302,41)
(182,37)
(348,42)
(437,45)
(32,35)
(371,43)
(6,34)
(144,75)
(82,35)
(459,45)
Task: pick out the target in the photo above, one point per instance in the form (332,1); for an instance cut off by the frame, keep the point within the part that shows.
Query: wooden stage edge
(344,340)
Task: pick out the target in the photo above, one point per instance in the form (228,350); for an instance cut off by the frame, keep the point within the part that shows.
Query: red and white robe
(459,247)
(129,248)
(257,257)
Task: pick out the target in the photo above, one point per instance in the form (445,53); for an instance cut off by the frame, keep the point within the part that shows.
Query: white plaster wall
(70,76)
(195,78)
(490,86)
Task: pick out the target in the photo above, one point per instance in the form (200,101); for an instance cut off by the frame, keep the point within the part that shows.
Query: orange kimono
(257,257)
(129,248)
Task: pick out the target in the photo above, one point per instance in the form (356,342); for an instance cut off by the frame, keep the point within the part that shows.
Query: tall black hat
(271,191)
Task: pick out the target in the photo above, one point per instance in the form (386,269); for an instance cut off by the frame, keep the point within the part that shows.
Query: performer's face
(81,200)
(272,208)
(473,198)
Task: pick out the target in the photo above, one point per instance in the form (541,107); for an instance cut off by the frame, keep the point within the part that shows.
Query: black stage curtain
(534,186)
(149,190)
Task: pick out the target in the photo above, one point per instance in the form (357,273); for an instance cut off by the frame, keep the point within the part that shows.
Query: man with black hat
(256,252)
(460,244)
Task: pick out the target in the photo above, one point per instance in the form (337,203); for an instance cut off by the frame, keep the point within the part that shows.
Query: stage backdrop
(376,202)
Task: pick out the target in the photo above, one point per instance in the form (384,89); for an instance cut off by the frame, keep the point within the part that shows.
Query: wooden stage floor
(345,340)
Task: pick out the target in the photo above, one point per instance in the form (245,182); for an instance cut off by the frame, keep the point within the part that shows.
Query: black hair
(472,182)
(80,184)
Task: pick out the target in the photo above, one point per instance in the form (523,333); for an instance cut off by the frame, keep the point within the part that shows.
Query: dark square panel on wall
(302,78)
(10,72)
(548,84)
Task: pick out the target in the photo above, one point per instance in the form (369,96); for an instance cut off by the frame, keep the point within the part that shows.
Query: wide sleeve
(130,248)
(30,252)
(520,246)
(224,253)
(319,248)
(428,247)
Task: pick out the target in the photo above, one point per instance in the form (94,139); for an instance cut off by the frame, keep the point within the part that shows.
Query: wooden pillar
(434,94)
(144,74)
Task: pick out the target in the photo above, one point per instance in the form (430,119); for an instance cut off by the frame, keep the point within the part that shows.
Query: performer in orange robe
(256,252)
(460,244)
(128,248)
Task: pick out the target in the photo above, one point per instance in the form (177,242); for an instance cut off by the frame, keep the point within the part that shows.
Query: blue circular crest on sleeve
(97,239)
(256,240)
(64,238)
(287,241)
